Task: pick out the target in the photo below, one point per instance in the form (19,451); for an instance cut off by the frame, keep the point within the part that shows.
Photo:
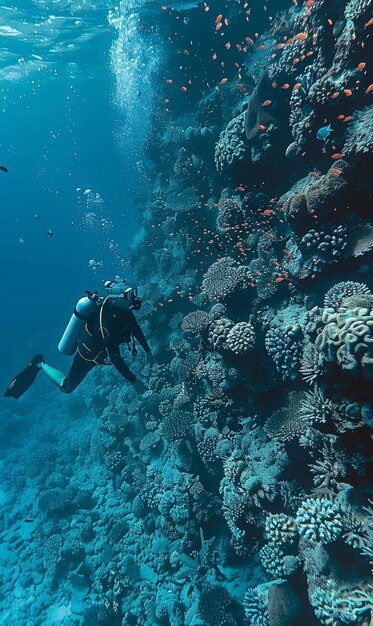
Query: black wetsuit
(100,340)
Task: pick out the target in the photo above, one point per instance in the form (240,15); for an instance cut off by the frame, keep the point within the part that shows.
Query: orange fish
(279,46)
(218,19)
(330,22)
(168,81)
(285,86)
(266,103)
(297,86)
(336,171)
(337,155)
(335,94)
(309,3)
(240,188)
(369,23)
(261,46)
(340,117)
(274,85)
(261,127)
(183,88)
(370,88)
(314,174)
(361,66)
(228,45)
(300,37)
(267,212)
(279,279)
(347,92)
(214,56)
(347,119)
(249,41)
(186,52)
(218,26)
(223,81)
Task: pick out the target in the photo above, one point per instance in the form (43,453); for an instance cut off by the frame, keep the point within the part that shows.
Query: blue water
(71,161)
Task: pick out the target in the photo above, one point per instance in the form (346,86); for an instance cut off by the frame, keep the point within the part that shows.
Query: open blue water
(72,144)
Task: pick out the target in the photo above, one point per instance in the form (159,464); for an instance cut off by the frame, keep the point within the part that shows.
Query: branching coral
(241,338)
(319,520)
(231,146)
(224,278)
(302,409)
(195,322)
(284,345)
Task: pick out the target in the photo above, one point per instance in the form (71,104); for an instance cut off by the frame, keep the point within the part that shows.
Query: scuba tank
(83,310)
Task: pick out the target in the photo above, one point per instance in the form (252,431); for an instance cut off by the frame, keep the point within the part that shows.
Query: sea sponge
(241,338)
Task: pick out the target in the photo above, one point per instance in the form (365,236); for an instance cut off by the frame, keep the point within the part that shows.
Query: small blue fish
(324,132)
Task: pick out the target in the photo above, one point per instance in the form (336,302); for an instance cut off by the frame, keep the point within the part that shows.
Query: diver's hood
(123,296)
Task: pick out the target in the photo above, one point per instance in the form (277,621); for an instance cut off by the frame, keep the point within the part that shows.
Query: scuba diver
(97,328)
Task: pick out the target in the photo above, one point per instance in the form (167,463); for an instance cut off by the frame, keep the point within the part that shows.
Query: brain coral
(223,278)
(241,338)
(347,336)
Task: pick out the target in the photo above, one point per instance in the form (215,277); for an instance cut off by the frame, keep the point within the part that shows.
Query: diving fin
(22,381)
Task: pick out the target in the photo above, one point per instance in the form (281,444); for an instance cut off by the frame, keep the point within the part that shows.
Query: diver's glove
(139,387)
(150,358)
